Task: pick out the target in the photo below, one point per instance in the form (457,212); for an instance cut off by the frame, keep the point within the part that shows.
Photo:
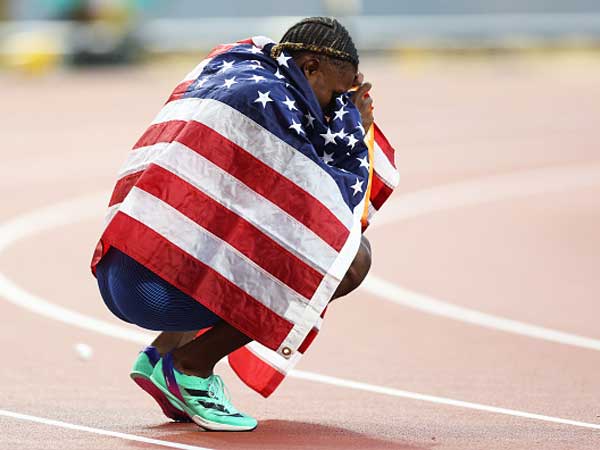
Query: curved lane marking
(476,192)
(82,208)
(421,302)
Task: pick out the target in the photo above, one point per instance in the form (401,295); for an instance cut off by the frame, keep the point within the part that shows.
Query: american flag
(243,194)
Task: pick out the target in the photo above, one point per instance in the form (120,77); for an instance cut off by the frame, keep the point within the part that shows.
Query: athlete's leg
(358,270)
(170,340)
(200,356)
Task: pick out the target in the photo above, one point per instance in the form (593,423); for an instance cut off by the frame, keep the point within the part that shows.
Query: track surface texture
(499,247)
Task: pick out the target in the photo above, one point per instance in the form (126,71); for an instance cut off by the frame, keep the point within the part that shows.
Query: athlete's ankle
(167,341)
(191,367)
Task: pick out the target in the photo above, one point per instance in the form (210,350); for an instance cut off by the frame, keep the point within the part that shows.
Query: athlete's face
(328,79)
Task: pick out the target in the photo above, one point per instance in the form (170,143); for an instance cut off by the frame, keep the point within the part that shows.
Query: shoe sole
(214,426)
(201,422)
(167,408)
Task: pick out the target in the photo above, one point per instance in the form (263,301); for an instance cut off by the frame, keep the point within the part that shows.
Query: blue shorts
(139,296)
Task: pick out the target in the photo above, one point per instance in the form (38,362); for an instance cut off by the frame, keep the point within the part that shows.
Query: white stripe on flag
(272,358)
(247,203)
(215,253)
(112,211)
(381,164)
(320,299)
(261,41)
(372,211)
(253,138)
(197,70)
(140,158)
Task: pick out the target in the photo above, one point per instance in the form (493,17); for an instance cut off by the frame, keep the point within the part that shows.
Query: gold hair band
(328,51)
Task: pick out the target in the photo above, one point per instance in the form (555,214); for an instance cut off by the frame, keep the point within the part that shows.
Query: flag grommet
(286,351)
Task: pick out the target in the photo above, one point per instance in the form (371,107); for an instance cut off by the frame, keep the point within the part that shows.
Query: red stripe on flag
(312,334)
(219,49)
(123,187)
(99,252)
(233,229)
(267,182)
(180,90)
(379,192)
(385,146)
(256,373)
(160,132)
(310,337)
(196,279)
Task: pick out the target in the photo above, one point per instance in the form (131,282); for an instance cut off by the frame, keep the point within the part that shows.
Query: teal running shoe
(203,399)
(141,372)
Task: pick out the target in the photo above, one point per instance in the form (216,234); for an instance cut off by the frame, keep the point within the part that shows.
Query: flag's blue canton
(275,94)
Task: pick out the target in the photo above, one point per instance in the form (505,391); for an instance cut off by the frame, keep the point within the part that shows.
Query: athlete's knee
(361,264)
(358,269)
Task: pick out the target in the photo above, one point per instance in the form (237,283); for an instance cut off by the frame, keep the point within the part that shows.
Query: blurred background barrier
(38,34)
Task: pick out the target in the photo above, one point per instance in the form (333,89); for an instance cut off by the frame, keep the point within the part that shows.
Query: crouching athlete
(315,58)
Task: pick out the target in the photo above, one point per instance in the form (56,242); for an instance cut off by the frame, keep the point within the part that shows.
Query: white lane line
(356,385)
(18,296)
(400,296)
(114,434)
(486,190)
(86,207)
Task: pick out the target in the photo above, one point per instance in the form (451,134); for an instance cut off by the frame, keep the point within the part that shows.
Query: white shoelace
(219,391)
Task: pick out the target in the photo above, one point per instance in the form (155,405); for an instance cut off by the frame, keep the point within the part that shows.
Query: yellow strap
(370,141)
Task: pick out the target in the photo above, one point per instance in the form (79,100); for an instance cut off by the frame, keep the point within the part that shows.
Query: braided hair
(321,35)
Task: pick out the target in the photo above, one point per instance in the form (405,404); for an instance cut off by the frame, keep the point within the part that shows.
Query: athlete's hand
(363,101)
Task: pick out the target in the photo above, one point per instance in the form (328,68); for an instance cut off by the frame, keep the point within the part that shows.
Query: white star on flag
(283,59)
(201,82)
(310,119)
(340,113)
(341,100)
(342,134)
(361,128)
(254,49)
(291,104)
(226,66)
(263,98)
(357,187)
(327,157)
(352,141)
(364,162)
(329,137)
(278,74)
(297,127)
(256,78)
(256,64)
(229,82)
